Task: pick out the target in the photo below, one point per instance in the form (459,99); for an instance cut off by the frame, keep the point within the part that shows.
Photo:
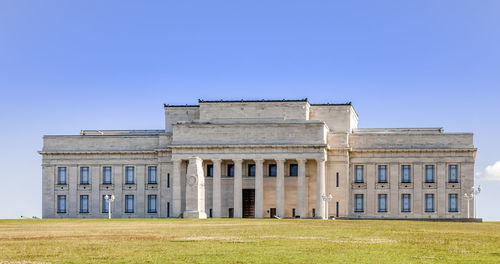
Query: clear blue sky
(71,65)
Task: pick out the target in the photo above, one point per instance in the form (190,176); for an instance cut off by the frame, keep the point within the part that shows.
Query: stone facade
(259,159)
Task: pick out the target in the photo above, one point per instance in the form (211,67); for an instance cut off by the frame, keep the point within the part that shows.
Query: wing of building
(269,158)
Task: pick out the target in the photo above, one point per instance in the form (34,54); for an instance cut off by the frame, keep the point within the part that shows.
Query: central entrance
(248,203)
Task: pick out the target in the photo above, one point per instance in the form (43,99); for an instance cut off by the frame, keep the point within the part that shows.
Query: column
(96,197)
(140,181)
(320,204)
(301,188)
(216,190)
(49,207)
(118,206)
(73,199)
(370,196)
(176,189)
(394,197)
(259,188)
(238,184)
(280,188)
(441,190)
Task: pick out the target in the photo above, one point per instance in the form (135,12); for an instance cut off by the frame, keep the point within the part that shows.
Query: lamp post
(468,197)
(476,192)
(109,199)
(327,199)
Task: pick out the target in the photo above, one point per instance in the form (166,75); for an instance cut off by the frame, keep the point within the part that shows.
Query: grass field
(247,241)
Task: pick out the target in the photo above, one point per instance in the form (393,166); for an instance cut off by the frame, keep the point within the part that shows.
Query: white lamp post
(327,199)
(476,192)
(110,199)
(468,197)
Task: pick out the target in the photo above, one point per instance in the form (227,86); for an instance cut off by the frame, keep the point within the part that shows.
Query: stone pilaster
(259,188)
(95,200)
(176,189)
(195,190)
(48,195)
(141,205)
(441,190)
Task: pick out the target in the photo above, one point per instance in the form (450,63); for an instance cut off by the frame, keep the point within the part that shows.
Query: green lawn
(247,241)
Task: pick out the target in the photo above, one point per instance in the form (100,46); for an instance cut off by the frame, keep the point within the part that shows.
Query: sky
(72,65)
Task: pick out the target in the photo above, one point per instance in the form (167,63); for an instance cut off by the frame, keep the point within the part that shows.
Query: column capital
(237,160)
(216,160)
(321,159)
(279,160)
(301,160)
(258,160)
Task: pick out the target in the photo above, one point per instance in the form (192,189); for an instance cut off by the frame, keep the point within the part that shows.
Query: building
(259,159)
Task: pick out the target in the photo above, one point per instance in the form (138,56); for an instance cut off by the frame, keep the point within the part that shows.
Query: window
(453,202)
(453,173)
(152,175)
(84,203)
(405,203)
(129,175)
(405,173)
(251,170)
(106,175)
(294,170)
(382,174)
(168,180)
(230,170)
(129,203)
(168,209)
(337,209)
(61,175)
(429,203)
(429,173)
(152,203)
(84,175)
(337,184)
(210,170)
(358,174)
(272,170)
(382,203)
(105,205)
(358,203)
(61,203)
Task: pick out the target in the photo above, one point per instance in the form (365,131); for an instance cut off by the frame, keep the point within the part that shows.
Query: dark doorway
(231,212)
(248,203)
(273,212)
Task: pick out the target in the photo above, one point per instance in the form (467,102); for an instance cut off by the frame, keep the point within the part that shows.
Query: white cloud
(490,173)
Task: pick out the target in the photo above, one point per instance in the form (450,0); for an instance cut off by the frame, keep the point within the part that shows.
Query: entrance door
(248,203)
(231,213)
(273,212)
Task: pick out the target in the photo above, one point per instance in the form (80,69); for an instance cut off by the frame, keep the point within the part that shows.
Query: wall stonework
(299,152)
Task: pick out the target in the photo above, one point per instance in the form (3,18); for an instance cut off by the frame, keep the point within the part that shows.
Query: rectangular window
(152,203)
(405,203)
(61,203)
(251,170)
(358,203)
(106,175)
(405,173)
(210,170)
(382,203)
(152,175)
(230,170)
(105,205)
(84,175)
(129,175)
(358,174)
(168,180)
(429,203)
(429,173)
(337,179)
(61,175)
(453,202)
(382,174)
(272,170)
(294,170)
(453,173)
(129,203)
(337,209)
(84,203)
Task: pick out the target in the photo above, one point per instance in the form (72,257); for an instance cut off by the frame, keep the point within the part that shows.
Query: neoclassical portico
(298,197)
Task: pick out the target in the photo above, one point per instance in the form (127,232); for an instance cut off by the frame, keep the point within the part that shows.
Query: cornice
(410,150)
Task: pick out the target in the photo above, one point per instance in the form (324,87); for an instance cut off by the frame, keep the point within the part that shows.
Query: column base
(195,215)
